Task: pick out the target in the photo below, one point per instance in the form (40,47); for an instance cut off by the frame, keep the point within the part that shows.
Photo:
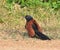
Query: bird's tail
(42,36)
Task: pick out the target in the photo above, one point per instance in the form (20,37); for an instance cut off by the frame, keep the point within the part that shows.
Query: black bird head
(28,18)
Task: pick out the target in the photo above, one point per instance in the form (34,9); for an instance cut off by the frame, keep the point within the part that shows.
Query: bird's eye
(26,17)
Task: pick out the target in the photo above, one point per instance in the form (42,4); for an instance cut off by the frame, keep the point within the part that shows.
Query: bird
(34,28)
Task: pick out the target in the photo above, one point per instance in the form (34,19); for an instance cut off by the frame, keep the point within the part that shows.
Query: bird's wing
(37,25)
(34,26)
(30,29)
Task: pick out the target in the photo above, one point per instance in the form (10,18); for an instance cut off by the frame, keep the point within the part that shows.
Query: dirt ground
(29,44)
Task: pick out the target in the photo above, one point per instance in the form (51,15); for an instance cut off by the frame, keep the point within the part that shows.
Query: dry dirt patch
(29,44)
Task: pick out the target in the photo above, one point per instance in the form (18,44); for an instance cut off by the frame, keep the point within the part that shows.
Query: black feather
(28,18)
(40,34)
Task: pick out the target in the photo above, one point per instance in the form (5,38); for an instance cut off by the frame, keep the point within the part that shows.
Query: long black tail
(42,36)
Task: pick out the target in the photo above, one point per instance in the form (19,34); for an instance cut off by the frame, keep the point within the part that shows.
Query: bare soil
(29,44)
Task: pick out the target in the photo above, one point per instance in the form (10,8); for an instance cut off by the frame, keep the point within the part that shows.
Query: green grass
(54,4)
(12,18)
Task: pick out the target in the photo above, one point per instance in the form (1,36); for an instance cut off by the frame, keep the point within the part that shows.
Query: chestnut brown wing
(30,29)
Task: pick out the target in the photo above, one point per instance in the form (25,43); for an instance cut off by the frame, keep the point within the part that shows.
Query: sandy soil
(29,44)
